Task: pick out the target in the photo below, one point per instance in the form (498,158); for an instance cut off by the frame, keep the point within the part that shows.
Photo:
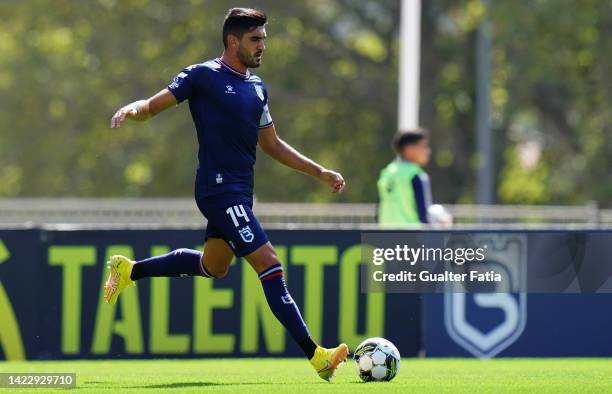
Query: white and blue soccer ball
(377,360)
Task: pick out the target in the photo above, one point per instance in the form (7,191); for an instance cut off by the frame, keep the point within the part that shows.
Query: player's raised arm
(275,147)
(144,109)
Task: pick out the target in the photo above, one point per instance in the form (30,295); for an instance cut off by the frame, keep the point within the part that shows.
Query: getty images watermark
(435,262)
(413,256)
(487,262)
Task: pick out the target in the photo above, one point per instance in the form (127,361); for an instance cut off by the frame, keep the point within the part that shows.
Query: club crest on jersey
(219,178)
(246,234)
(229,89)
(259,92)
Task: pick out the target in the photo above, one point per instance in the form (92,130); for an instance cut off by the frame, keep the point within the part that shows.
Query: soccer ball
(377,360)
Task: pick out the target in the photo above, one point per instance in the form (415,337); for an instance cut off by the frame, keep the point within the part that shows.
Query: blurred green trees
(331,71)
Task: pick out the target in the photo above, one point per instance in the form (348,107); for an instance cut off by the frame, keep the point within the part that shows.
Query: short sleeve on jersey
(183,84)
(266,119)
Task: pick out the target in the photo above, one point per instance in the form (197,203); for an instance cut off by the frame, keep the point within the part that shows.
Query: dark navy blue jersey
(228,109)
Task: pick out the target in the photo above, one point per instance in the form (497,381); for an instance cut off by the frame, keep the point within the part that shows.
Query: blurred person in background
(403,186)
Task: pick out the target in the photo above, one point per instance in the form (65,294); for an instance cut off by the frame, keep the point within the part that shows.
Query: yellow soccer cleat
(118,277)
(325,361)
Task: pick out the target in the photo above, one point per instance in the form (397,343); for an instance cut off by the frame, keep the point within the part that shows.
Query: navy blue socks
(284,308)
(180,262)
(189,262)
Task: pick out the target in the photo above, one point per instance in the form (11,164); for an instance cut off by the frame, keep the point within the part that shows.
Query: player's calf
(284,308)
(179,262)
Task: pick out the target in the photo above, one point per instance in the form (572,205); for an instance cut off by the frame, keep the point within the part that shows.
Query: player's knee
(263,258)
(218,271)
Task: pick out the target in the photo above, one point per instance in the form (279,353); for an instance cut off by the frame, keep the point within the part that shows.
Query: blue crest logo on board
(485,324)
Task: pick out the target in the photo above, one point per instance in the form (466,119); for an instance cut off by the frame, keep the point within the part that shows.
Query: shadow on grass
(177,385)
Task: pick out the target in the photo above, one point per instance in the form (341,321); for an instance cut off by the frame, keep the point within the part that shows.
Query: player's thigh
(217,256)
(233,221)
(263,258)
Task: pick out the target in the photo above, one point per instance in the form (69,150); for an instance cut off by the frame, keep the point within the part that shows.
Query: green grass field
(296,376)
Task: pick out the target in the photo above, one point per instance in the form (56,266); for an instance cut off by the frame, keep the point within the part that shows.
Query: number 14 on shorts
(237,211)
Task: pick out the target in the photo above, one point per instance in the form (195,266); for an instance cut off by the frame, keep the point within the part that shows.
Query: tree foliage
(331,71)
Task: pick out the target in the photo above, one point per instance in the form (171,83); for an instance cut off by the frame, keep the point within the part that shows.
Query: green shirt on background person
(403,186)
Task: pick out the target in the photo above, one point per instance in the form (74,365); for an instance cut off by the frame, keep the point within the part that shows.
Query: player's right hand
(121,114)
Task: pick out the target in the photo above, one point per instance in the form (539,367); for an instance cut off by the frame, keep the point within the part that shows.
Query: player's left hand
(333,179)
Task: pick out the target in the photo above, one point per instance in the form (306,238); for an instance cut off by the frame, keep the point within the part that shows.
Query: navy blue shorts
(230,217)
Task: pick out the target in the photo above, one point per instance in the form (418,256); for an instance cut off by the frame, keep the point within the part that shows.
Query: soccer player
(403,187)
(229,107)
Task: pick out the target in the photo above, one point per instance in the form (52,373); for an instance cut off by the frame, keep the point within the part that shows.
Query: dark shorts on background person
(230,217)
